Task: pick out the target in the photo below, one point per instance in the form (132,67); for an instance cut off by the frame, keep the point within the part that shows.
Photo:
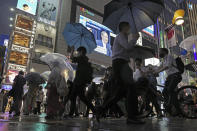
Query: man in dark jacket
(83,77)
(17,92)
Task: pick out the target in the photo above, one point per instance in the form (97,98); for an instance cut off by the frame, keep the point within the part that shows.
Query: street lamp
(178,17)
(179,21)
(11,19)
(12,9)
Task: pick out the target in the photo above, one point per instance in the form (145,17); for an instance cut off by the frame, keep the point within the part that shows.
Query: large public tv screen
(101,33)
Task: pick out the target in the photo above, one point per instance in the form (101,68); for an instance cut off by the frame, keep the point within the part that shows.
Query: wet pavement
(38,123)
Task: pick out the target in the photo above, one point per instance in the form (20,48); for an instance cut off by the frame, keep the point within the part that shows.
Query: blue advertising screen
(29,6)
(149,30)
(101,33)
(7,87)
(4,40)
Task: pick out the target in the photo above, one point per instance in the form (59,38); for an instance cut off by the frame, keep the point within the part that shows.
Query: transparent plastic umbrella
(189,43)
(46,74)
(55,59)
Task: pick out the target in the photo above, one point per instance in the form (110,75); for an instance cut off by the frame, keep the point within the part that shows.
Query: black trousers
(123,86)
(171,84)
(78,90)
(37,110)
(17,104)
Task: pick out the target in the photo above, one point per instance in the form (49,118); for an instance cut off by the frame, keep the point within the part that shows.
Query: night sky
(5,14)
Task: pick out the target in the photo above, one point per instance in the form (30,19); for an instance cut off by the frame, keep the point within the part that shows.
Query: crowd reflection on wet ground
(38,123)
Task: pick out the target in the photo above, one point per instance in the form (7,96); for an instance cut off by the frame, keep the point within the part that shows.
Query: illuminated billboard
(18,58)
(11,74)
(29,6)
(47,11)
(21,40)
(149,30)
(101,33)
(24,23)
(4,39)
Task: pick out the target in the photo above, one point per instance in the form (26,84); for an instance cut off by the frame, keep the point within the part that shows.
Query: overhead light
(178,17)
(11,19)
(179,21)
(12,9)
(10,25)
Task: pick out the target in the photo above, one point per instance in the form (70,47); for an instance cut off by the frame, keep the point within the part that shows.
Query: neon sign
(86,11)
(16,67)
(195,56)
(20,49)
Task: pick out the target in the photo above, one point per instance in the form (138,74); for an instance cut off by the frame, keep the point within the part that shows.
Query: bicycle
(186,97)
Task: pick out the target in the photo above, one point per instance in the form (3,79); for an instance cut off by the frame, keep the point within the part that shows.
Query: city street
(108,58)
(35,123)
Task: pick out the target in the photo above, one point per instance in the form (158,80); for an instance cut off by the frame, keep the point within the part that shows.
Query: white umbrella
(189,43)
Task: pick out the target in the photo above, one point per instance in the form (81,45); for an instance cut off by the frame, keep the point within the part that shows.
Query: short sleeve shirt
(170,62)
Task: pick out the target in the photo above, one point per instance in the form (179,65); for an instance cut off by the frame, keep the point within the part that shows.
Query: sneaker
(135,121)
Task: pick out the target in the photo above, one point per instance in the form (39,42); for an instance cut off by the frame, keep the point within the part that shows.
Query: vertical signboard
(23,37)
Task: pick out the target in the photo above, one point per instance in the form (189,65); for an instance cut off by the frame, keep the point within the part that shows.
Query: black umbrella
(142,52)
(139,13)
(35,78)
(191,67)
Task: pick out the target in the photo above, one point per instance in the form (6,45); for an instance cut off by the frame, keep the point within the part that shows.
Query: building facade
(33,34)
(84,11)
(192,15)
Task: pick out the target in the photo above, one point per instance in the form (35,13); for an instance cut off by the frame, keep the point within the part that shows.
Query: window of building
(44,41)
(190,6)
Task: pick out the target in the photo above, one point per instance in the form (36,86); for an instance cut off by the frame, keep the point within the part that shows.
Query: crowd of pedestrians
(120,84)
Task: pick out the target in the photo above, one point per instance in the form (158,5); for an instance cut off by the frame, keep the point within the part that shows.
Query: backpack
(180,65)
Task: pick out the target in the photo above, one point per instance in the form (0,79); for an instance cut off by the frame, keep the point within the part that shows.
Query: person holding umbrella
(83,77)
(120,60)
(33,80)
